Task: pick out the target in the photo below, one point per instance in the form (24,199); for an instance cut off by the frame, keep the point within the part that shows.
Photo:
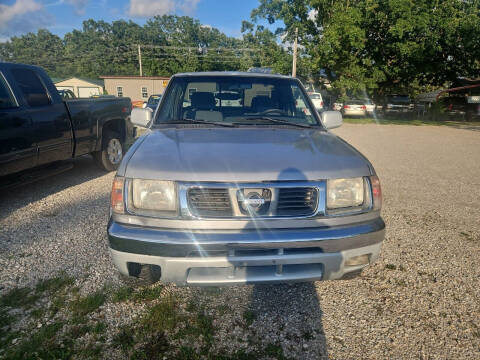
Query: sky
(19,17)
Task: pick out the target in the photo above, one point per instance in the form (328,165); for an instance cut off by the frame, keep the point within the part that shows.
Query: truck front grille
(296,201)
(221,202)
(210,202)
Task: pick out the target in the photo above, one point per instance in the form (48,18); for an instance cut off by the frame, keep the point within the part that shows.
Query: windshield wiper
(199,121)
(277,121)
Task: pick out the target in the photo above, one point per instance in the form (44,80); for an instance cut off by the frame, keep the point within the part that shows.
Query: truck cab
(38,127)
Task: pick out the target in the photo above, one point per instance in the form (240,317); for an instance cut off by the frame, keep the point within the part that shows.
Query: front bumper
(246,256)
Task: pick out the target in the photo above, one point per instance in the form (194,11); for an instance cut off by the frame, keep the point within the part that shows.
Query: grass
(82,306)
(307,335)
(249,316)
(467,236)
(55,284)
(19,297)
(122,294)
(408,121)
(42,344)
(126,293)
(124,338)
(161,316)
(390,267)
(148,293)
(167,323)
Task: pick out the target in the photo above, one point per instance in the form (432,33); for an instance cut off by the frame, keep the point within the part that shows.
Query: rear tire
(111,155)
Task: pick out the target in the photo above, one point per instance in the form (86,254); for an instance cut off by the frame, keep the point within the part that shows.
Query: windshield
(236,100)
(154,99)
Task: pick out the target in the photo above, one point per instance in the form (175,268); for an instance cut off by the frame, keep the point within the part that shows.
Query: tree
(383,46)
(170,44)
(36,49)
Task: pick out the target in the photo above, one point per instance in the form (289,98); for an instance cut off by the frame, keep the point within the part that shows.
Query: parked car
(369,106)
(153,102)
(262,192)
(39,128)
(66,94)
(316,100)
(337,106)
(398,104)
(354,108)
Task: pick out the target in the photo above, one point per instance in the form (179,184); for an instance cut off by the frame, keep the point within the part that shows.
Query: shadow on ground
(289,315)
(84,169)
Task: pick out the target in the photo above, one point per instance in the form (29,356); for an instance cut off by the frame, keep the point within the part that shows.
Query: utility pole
(140,59)
(294,65)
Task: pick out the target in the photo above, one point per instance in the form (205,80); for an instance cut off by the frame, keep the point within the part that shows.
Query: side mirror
(332,119)
(141,117)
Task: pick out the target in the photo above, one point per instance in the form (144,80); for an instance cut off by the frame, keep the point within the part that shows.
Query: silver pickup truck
(238,180)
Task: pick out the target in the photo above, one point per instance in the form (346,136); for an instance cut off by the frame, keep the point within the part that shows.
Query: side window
(7,100)
(119,91)
(144,92)
(31,87)
(301,104)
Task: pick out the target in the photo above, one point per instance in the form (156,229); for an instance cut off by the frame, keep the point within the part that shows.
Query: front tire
(111,155)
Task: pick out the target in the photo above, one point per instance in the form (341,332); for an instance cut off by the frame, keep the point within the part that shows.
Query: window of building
(6,98)
(144,93)
(119,91)
(31,87)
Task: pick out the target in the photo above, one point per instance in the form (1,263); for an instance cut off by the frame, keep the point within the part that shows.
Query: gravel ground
(421,299)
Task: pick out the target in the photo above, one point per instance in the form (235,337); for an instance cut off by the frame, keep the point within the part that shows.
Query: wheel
(111,155)
(150,274)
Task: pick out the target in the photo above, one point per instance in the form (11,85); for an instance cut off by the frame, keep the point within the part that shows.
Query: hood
(244,155)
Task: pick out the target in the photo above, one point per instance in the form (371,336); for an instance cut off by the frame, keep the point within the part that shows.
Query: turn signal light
(117,195)
(376,192)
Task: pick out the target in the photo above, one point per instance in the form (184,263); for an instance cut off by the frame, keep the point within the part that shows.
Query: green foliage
(85,305)
(19,297)
(44,344)
(170,44)
(55,284)
(123,293)
(383,46)
(162,316)
(249,316)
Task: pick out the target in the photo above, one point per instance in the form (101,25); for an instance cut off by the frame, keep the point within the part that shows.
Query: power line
(191,48)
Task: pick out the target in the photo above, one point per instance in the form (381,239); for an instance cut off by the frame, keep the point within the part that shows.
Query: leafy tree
(170,44)
(383,46)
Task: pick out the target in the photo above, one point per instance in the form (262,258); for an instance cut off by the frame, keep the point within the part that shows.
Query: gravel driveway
(420,300)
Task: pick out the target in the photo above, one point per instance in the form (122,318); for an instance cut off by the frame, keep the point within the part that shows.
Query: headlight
(345,193)
(154,195)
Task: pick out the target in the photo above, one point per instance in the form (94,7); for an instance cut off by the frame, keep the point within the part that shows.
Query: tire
(150,274)
(111,155)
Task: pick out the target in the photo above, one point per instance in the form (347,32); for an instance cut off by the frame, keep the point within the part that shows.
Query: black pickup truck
(38,127)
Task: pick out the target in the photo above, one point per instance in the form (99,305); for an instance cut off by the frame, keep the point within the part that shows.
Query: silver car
(354,108)
(252,191)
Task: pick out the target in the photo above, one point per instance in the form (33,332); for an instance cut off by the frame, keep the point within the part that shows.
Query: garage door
(84,92)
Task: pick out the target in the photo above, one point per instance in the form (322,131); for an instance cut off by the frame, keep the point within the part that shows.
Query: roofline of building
(91,81)
(134,77)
